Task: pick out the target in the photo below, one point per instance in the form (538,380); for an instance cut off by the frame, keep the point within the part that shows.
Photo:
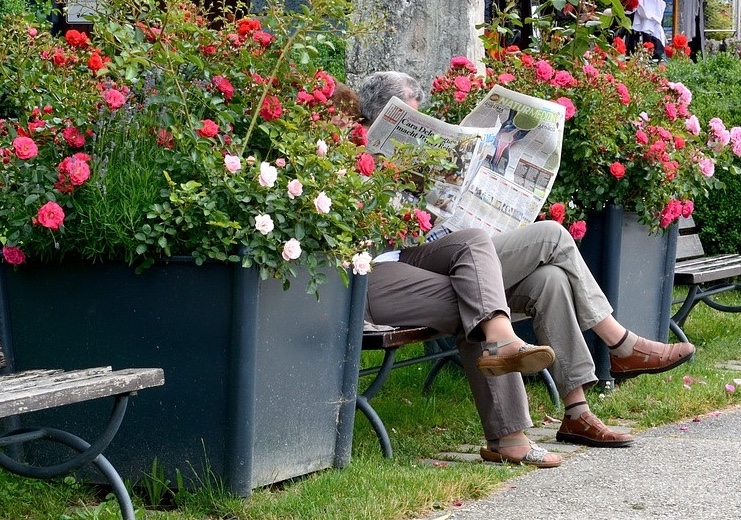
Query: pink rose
(73,137)
(460,96)
(707,166)
(114,99)
(321,148)
(232,163)
(692,125)
(366,164)
(268,175)
(79,171)
(568,105)
(264,224)
(280,162)
(424,220)
(641,137)
(13,255)
(578,229)
(295,189)
(688,207)
(50,215)
(505,78)
(543,70)
(462,83)
(361,263)
(322,203)
(291,250)
(461,61)
(25,148)
(617,170)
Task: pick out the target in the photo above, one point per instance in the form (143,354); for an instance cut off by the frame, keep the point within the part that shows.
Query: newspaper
(507,152)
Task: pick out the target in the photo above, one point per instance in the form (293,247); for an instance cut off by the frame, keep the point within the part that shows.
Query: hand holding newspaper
(507,151)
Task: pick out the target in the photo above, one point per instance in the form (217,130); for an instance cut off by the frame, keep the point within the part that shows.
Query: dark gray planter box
(635,269)
(260,383)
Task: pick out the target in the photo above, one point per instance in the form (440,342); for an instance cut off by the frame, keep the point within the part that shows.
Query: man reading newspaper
(467,282)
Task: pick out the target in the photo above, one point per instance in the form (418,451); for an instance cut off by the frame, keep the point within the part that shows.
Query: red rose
(224,86)
(359,136)
(271,108)
(619,45)
(679,41)
(247,25)
(76,38)
(50,215)
(617,170)
(366,164)
(557,212)
(578,229)
(209,129)
(13,255)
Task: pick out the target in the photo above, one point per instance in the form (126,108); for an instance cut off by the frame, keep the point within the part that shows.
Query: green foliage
(716,91)
(12,7)
(160,135)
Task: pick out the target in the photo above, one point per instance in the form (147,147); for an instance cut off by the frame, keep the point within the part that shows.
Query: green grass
(420,426)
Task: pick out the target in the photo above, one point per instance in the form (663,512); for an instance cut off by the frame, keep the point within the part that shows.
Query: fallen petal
(730,389)
(684,428)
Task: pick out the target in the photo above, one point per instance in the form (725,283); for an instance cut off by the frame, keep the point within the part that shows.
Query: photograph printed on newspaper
(508,150)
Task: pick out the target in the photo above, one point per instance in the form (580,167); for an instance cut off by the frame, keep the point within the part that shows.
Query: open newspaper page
(518,162)
(507,150)
(398,122)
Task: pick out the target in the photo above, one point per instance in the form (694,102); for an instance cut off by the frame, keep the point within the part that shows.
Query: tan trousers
(455,282)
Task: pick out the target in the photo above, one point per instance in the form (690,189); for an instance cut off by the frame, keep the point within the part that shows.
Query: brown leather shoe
(650,357)
(529,359)
(588,430)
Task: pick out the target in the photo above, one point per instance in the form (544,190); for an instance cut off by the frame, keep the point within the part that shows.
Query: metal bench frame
(705,276)
(33,390)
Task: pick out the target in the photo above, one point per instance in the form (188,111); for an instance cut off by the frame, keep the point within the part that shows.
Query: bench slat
(41,389)
(707,269)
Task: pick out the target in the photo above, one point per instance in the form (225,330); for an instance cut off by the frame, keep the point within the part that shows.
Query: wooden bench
(705,276)
(440,349)
(33,390)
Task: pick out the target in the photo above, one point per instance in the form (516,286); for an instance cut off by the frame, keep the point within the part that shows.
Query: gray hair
(376,90)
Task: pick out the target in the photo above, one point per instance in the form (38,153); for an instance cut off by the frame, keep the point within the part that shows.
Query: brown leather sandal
(529,359)
(534,457)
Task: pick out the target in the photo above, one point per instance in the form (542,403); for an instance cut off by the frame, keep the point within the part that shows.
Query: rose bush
(630,138)
(169,132)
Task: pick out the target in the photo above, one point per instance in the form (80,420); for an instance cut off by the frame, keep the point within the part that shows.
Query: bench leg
(77,444)
(362,401)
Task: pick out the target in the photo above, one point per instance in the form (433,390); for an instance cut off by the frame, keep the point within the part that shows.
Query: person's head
(376,90)
(347,103)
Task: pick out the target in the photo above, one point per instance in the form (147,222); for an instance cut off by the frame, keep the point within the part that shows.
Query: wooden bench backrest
(688,242)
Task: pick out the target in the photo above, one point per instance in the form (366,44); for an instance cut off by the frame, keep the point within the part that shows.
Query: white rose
(361,263)
(268,175)
(322,203)
(291,250)
(264,224)
(232,163)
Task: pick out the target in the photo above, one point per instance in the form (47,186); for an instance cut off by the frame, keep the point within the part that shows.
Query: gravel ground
(685,470)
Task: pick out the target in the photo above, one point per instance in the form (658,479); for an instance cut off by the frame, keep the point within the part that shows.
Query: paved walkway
(687,470)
